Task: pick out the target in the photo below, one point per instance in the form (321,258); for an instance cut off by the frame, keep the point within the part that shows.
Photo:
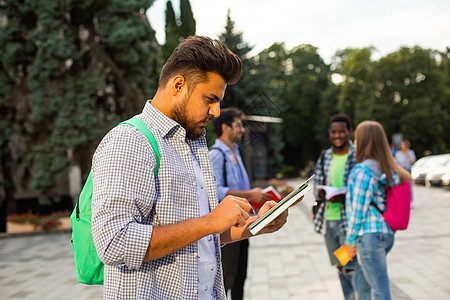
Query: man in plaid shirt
(160,237)
(332,169)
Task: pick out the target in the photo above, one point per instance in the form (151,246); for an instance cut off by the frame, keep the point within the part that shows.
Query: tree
(356,98)
(69,71)
(250,96)
(411,97)
(188,23)
(269,78)
(178,28)
(239,94)
(307,79)
(172,31)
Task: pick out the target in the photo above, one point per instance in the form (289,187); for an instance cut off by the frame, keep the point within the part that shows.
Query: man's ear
(178,83)
(224,127)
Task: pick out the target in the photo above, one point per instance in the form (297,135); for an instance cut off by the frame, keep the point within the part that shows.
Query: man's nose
(214,109)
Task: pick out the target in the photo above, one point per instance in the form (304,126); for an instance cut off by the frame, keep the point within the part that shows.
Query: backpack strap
(135,122)
(322,156)
(224,164)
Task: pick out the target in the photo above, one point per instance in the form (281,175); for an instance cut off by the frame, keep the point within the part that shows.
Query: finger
(240,222)
(270,204)
(243,203)
(267,196)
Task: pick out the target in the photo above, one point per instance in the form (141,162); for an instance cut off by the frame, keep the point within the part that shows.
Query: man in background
(332,169)
(232,179)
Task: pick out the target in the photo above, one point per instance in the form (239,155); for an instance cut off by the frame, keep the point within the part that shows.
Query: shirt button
(195,254)
(194,183)
(195,291)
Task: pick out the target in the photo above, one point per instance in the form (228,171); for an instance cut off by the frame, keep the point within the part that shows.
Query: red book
(271,190)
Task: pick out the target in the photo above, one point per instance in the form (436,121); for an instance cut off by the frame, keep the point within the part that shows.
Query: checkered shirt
(127,202)
(363,189)
(324,179)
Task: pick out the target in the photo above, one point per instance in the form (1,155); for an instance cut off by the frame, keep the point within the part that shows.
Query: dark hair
(197,55)
(227,115)
(341,118)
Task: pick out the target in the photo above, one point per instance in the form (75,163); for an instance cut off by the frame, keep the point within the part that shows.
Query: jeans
(371,278)
(335,238)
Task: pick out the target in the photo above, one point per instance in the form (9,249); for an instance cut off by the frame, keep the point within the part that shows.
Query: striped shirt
(364,187)
(127,202)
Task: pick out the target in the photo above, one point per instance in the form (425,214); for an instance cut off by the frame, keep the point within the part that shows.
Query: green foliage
(249,95)
(239,94)
(70,70)
(172,31)
(307,79)
(177,28)
(187,19)
(412,85)
(405,91)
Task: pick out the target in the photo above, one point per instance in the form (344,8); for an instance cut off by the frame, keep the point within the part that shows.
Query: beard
(179,114)
(236,138)
(341,147)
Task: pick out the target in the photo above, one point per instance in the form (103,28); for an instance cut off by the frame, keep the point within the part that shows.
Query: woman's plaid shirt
(363,189)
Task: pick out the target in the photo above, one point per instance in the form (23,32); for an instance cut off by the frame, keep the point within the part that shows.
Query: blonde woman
(368,235)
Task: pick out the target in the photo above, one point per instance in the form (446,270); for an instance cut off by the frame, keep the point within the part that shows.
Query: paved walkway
(290,264)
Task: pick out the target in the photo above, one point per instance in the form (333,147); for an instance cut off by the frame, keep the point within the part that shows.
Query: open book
(281,206)
(331,191)
(271,190)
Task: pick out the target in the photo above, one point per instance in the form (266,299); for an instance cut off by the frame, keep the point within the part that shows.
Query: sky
(329,25)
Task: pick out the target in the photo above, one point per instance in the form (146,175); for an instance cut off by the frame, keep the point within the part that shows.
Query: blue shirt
(207,267)
(237,178)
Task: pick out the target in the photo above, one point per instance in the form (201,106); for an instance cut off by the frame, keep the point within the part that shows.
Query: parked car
(432,164)
(446,179)
(434,177)
(420,168)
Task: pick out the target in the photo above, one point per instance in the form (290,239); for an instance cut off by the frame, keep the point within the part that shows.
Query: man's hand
(351,251)
(321,193)
(256,195)
(231,211)
(279,222)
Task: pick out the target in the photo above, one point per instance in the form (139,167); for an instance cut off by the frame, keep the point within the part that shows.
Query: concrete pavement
(290,264)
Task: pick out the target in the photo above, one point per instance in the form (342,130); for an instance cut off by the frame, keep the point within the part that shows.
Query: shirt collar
(223,146)
(166,125)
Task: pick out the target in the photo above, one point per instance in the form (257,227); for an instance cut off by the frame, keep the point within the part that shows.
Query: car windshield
(433,161)
(440,161)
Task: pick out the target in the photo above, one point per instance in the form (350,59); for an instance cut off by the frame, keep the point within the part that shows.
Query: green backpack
(88,265)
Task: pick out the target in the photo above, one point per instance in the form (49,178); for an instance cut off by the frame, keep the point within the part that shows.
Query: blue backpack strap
(136,122)
(224,164)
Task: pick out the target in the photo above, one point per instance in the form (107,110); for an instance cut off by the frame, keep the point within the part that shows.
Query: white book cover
(281,206)
(331,191)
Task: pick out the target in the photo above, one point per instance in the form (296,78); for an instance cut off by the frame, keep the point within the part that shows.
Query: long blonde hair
(372,143)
